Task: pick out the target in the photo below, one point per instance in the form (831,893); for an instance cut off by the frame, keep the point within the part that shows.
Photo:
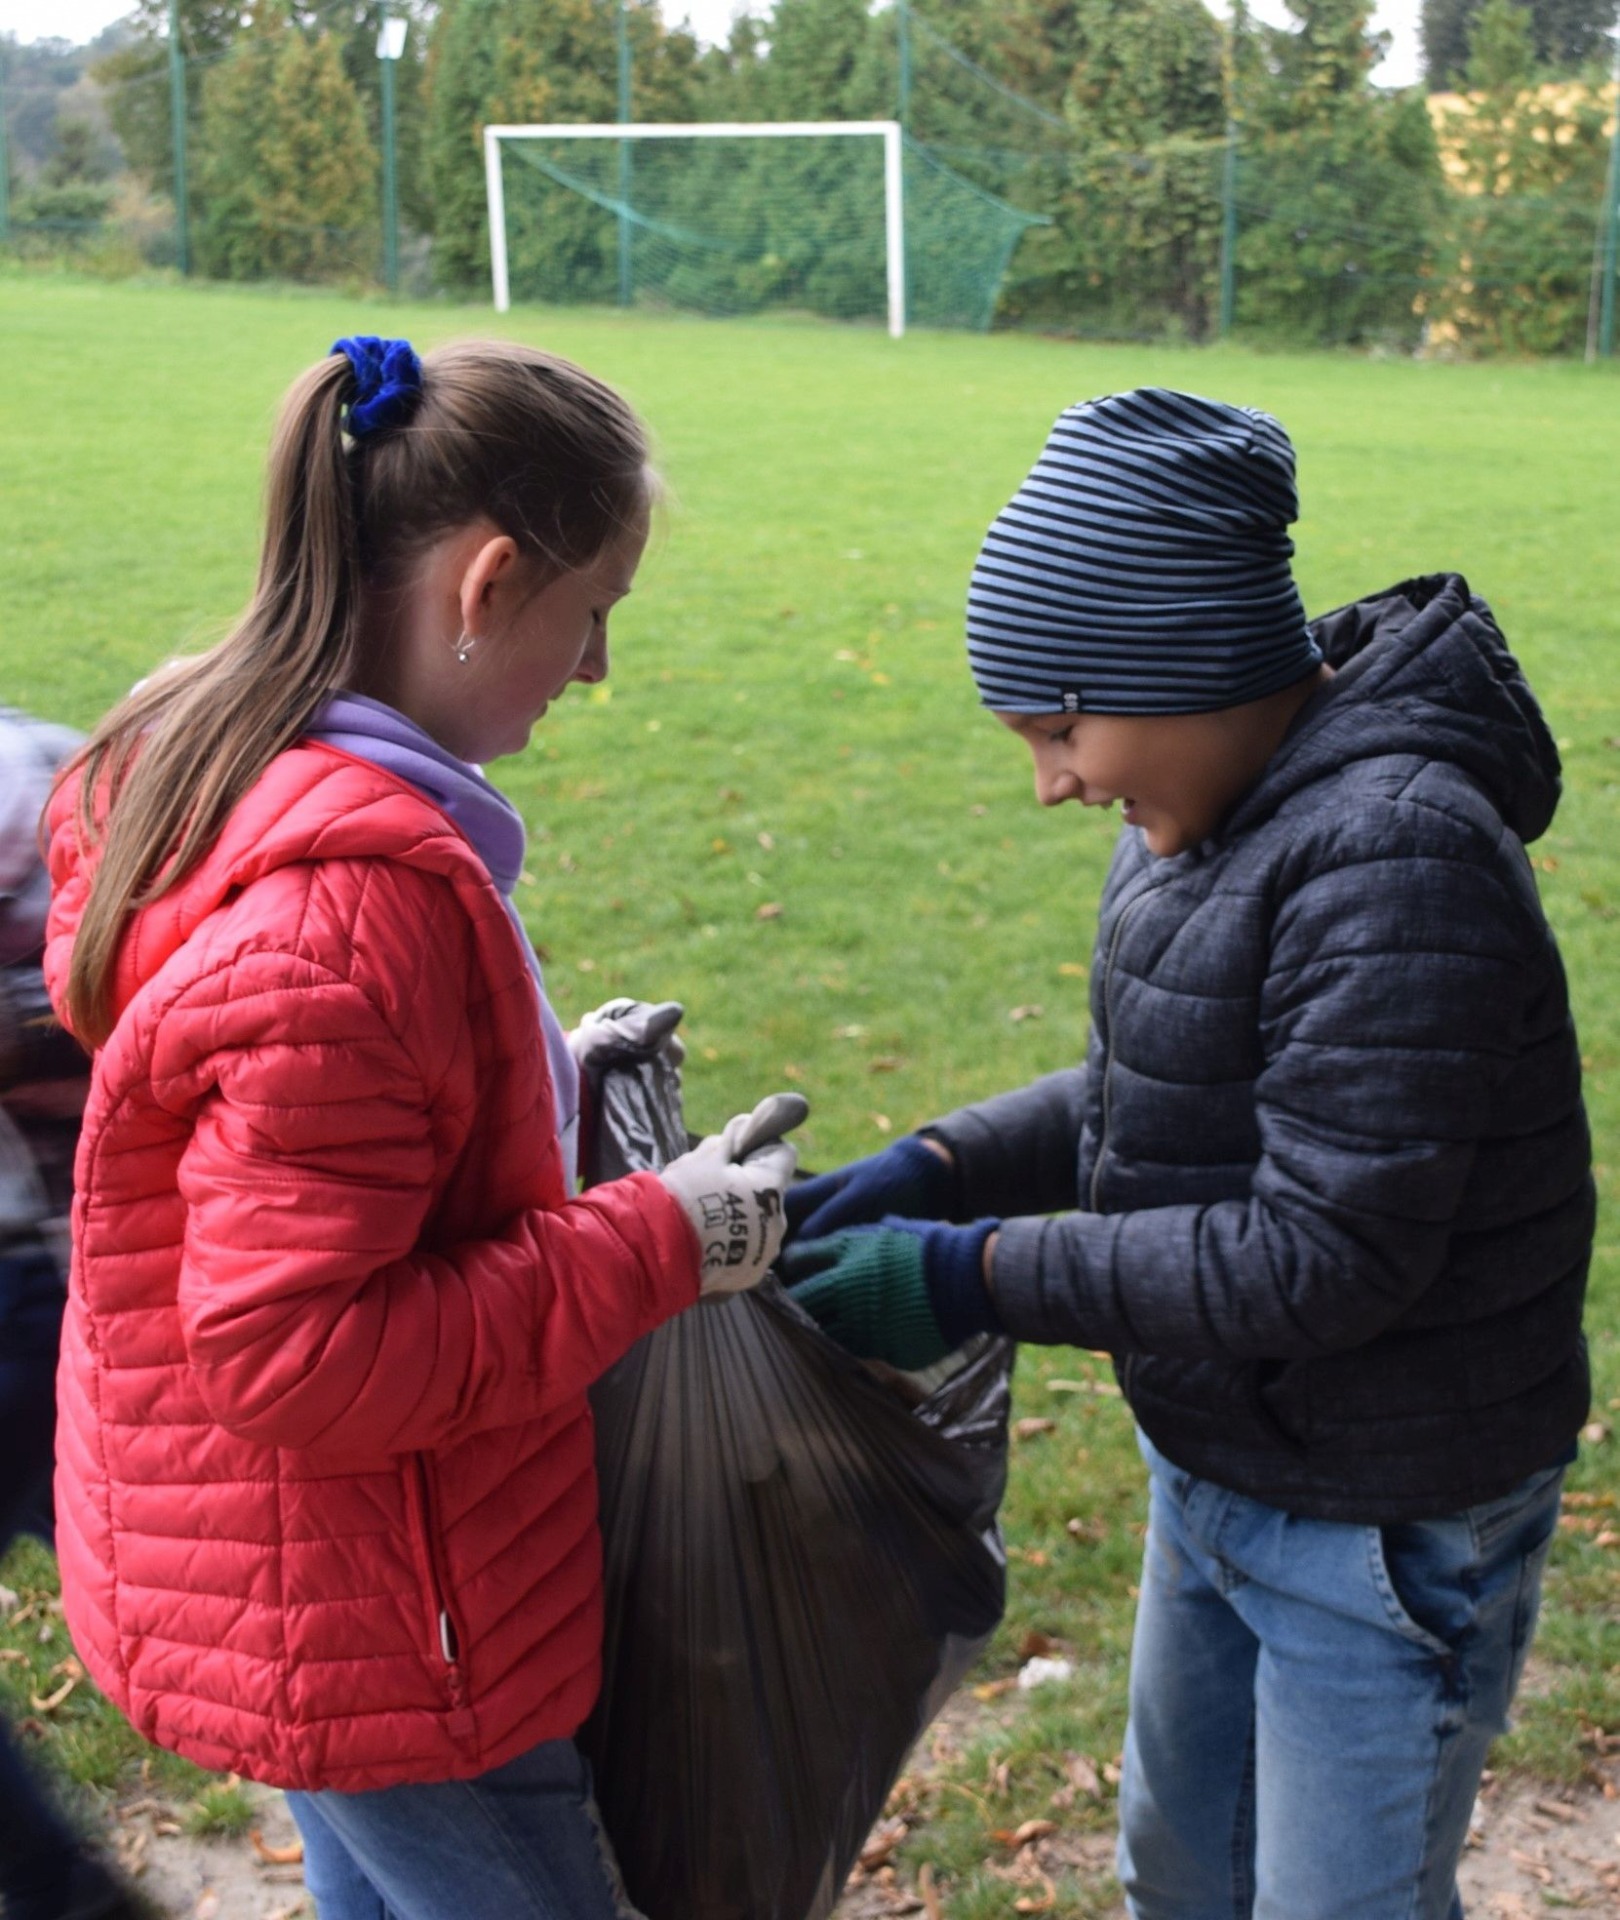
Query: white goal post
(894,222)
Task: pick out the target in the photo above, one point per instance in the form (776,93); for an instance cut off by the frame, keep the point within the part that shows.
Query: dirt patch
(250,1876)
(1532,1849)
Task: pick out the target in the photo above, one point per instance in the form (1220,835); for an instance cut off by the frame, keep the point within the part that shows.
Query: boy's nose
(1054,785)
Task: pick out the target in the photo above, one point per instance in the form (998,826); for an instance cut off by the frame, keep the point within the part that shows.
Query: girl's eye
(1057,739)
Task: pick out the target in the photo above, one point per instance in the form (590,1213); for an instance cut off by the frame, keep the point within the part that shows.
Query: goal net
(846,219)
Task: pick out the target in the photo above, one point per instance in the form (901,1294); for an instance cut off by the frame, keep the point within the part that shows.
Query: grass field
(790,725)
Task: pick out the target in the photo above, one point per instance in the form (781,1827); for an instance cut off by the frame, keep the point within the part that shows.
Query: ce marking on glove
(728,1223)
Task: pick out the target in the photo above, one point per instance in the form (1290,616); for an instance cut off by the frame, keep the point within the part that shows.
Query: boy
(1322,1186)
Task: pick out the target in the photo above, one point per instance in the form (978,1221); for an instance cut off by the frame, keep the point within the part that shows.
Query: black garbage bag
(802,1562)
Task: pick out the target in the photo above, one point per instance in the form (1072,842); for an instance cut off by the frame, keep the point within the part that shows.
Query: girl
(327,1507)
(1323,1185)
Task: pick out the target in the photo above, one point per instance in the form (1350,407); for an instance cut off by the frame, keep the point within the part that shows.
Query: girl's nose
(593,665)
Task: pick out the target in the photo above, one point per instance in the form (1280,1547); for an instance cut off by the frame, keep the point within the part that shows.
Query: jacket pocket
(446,1641)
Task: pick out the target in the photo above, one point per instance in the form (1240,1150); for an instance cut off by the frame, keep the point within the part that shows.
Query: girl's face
(524,643)
(1176,775)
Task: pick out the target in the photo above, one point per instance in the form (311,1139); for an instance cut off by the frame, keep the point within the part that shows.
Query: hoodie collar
(1420,669)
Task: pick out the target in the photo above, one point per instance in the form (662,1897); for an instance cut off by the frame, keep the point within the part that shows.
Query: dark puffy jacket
(1328,1141)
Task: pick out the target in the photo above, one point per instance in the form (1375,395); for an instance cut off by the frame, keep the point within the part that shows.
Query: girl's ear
(488,573)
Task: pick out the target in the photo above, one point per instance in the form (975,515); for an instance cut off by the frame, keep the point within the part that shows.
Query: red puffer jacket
(326,1493)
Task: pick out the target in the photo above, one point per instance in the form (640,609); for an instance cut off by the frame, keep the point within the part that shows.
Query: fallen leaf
(929,1892)
(1036,1644)
(130,1847)
(73,1673)
(13,1657)
(1092,1531)
(885,1063)
(1595,1432)
(1072,970)
(1033,1830)
(772,910)
(1082,1772)
(994,1689)
(766,841)
(1030,1556)
(288,1856)
(882,1122)
(1032,1428)
(167,1829)
(1046,1902)
(1016,1014)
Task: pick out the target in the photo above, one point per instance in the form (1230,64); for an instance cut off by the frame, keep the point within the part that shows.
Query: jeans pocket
(1409,1572)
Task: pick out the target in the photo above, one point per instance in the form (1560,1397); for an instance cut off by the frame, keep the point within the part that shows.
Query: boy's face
(1177,775)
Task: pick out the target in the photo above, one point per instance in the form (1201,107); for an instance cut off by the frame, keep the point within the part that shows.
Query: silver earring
(464,647)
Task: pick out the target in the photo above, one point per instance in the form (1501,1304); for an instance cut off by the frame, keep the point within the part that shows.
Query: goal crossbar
(894,222)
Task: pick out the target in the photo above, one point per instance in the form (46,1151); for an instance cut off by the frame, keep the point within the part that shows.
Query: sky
(81,20)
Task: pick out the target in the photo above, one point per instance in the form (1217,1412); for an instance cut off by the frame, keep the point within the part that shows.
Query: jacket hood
(1420,669)
(313,802)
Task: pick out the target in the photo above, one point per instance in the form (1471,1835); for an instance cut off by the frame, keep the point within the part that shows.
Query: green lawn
(790,723)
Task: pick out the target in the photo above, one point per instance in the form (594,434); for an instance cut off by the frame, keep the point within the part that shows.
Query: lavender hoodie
(369,730)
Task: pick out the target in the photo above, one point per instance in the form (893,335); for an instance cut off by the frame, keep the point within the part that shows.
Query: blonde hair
(552,456)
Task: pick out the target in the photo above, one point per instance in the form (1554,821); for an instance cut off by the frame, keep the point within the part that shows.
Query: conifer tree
(1135,246)
(287,174)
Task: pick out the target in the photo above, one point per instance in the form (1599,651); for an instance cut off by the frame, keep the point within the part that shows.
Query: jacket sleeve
(311,1314)
(1019,1152)
(1396,992)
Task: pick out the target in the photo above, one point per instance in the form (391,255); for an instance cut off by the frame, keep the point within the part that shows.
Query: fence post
(1228,230)
(5,158)
(177,112)
(390,45)
(626,278)
(1611,218)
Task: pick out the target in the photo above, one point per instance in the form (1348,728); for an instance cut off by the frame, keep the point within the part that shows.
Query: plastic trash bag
(802,1562)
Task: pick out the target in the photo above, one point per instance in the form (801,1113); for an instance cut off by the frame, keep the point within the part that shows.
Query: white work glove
(731,1185)
(628,1025)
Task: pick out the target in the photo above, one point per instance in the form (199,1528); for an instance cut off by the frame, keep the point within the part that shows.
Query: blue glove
(907,1178)
(907,1292)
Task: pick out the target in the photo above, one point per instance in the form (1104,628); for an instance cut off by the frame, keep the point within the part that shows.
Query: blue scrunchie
(387,379)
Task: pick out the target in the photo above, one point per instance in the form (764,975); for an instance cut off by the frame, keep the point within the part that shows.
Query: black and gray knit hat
(1143,565)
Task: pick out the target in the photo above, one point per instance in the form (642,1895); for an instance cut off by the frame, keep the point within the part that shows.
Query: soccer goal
(845,218)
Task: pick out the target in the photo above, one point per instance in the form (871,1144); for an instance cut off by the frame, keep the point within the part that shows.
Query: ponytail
(532,443)
(167,766)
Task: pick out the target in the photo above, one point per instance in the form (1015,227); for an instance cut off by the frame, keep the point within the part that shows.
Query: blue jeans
(1312,1702)
(521,1842)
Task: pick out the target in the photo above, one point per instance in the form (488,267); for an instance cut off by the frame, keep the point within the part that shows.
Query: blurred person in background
(45,1871)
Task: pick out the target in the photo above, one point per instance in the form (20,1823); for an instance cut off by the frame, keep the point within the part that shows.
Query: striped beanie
(1143,565)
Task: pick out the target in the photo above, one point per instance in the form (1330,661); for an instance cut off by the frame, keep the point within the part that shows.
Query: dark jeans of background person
(39,1856)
